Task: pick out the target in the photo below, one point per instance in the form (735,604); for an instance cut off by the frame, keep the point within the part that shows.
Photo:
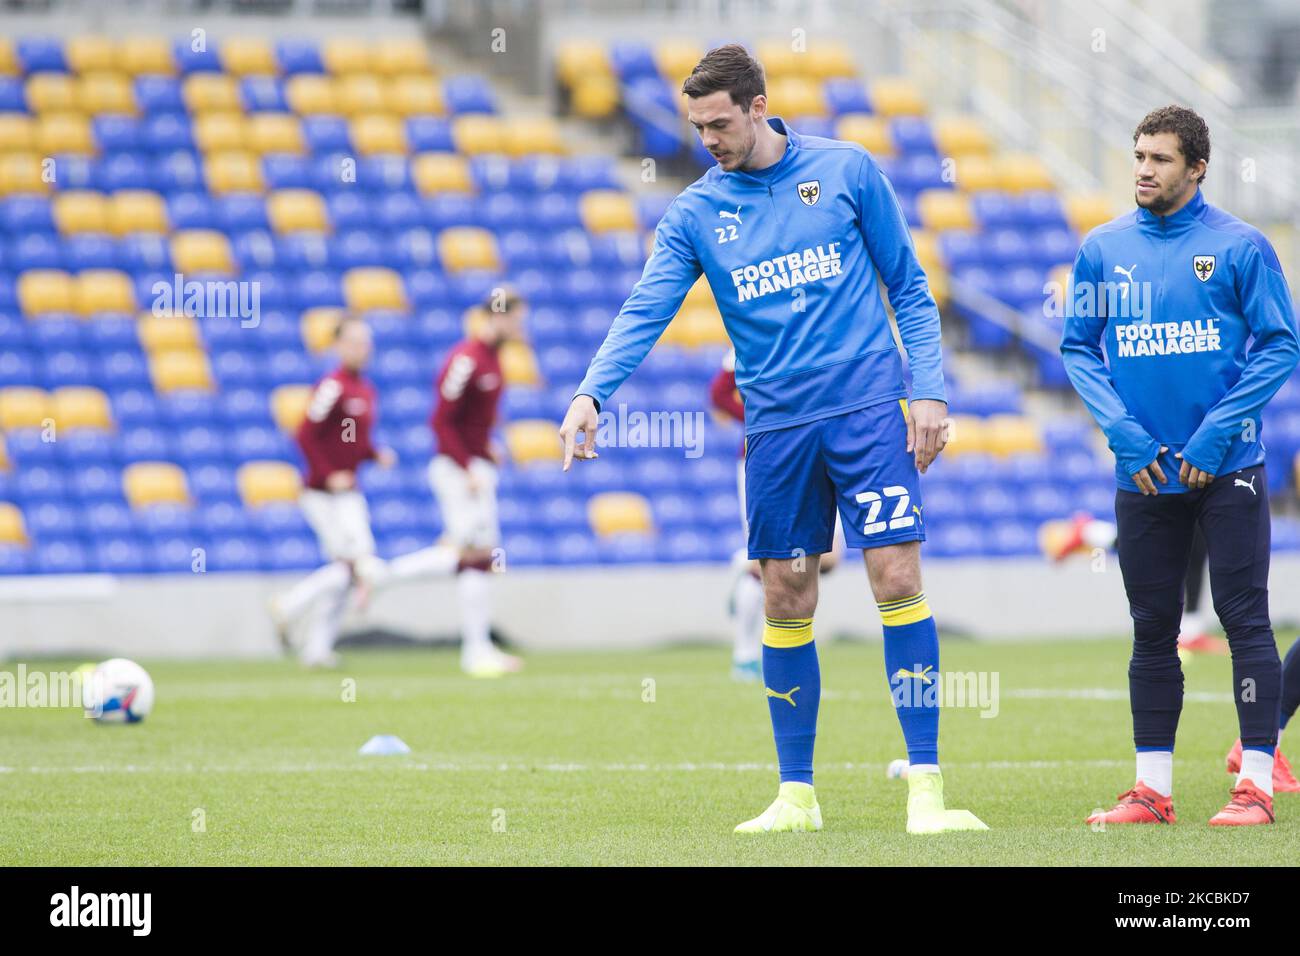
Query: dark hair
(729,68)
(1193,135)
(344,322)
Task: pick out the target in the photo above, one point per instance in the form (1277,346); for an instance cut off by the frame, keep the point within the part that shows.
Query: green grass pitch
(570,763)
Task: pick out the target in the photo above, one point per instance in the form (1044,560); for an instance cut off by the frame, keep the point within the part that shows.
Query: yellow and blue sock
(912,666)
(793,682)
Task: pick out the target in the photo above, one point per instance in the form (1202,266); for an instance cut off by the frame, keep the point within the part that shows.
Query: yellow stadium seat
(519,364)
(830,59)
(220,132)
(796,96)
(595,97)
(1087,212)
(941,209)
(415,96)
(168,333)
(90,54)
(310,94)
(248,56)
(361,95)
(926,245)
(80,210)
(147,483)
(966,436)
(45,290)
(395,56)
(961,136)
(52,93)
(619,512)
(780,62)
(8,59)
(579,60)
(275,133)
(696,327)
(343,55)
(871,132)
(13,530)
(676,59)
(1020,172)
(25,173)
(441,173)
(17,133)
(106,92)
(940,282)
(476,134)
(103,290)
(539,134)
(318,326)
(297,210)
(211,93)
(607,210)
(77,406)
(180,370)
(376,135)
(202,250)
(468,247)
(268,482)
(136,210)
(700,294)
(144,54)
(533,440)
(24,407)
(1012,435)
(896,96)
(58,133)
(373,288)
(289,406)
(5,463)
(233,172)
(976,173)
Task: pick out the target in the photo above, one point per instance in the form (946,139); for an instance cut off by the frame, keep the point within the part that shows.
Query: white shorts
(341,522)
(469,518)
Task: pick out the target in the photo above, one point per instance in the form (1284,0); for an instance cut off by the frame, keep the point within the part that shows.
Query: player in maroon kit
(335,439)
(747,589)
(463,475)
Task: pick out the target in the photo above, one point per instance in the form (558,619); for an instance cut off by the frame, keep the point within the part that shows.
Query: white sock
(293,602)
(1099,534)
(1193,624)
(438,561)
(748,644)
(1257,767)
(475,616)
(922,768)
(324,630)
(1155,768)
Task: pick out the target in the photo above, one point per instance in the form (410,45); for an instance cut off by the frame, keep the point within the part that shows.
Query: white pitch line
(505,767)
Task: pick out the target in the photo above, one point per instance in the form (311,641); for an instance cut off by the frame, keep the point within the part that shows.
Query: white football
(118,691)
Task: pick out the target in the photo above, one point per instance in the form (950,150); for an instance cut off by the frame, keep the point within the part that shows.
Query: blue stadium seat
(22,215)
(40,483)
(144,443)
(213,483)
(35,251)
(166,519)
(38,54)
(68,367)
(298,56)
(159,94)
(177,171)
(13,95)
(468,93)
(123,369)
(328,134)
(166,132)
(263,94)
(14,559)
(293,553)
(429,134)
(96,481)
(86,447)
(237,553)
(122,555)
(114,133)
(200,444)
(256,442)
(144,253)
(846,95)
(190,60)
(61,556)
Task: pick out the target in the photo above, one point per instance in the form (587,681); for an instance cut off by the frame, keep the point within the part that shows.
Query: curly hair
(1193,135)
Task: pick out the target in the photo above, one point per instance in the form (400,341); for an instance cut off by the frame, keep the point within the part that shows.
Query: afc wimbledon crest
(1203,266)
(810,192)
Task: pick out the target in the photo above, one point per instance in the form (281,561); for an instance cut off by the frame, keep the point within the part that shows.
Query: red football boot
(1202,644)
(1284,780)
(1139,805)
(1249,806)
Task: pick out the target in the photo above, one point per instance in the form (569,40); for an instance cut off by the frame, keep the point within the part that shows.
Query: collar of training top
(792,140)
(1180,220)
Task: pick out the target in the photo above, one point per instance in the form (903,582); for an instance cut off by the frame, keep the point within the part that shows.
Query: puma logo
(788,696)
(1128,274)
(1246,484)
(924,676)
(723,214)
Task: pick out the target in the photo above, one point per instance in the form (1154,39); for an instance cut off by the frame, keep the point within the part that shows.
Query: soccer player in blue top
(1174,290)
(790,232)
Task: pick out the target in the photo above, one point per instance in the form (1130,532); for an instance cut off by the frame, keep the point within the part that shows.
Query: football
(118,691)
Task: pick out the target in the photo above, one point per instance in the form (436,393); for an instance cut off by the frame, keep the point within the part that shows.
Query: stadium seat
(519,365)
(534,135)
(180,370)
(415,96)
(268,482)
(318,327)
(134,211)
(220,132)
(975,173)
(164,333)
(22,173)
(401,55)
(13,529)
(201,250)
(373,288)
(619,512)
(74,407)
(245,56)
(441,172)
(1020,172)
(49,92)
(64,134)
(106,92)
(380,134)
(476,135)
(277,133)
(211,93)
(872,132)
(896,96)
(90,54)
(44,291)
(148,483)
(103,290)
(289,406)
(797,96)
(960,136)
(23,407)
(17,133)
(607,210)
(233,172)
(310,94)
(467,248)
(944,209)
(532,441)
(595,98)
(138,55)
(77,211)
(297,210)
(967,435)
(1087,212)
